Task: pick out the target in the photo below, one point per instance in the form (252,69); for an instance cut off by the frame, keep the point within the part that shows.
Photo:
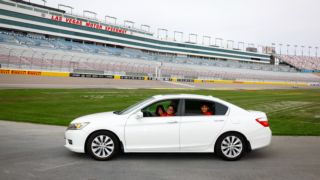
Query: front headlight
(77,126)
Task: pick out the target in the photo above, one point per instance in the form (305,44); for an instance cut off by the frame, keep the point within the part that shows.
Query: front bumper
(78,139)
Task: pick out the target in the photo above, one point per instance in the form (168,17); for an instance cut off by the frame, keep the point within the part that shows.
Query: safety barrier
(146,78)
(34,73)
(253,82)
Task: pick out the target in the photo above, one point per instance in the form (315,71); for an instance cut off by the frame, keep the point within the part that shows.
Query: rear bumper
(260,138)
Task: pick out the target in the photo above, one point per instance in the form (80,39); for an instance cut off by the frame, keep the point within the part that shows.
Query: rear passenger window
(220,109)
(203,108)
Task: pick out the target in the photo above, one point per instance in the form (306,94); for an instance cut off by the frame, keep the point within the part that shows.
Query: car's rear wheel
(102,145)
(231,146)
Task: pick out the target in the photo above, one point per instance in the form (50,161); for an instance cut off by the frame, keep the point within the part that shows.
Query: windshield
(134,106)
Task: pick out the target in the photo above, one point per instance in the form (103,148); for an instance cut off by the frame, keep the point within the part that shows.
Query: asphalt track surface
(22,81)
(31,151)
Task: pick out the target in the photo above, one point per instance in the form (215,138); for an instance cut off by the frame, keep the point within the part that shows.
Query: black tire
(102,145)
(231,146)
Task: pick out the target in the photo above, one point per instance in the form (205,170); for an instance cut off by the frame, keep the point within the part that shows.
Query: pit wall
(34,73)
(173,79)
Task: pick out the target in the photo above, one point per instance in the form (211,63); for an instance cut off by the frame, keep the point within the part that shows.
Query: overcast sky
(251,21)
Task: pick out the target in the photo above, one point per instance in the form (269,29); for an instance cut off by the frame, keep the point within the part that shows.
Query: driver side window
(162,108)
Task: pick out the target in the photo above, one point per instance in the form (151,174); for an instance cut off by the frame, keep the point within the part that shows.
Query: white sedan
(171,123)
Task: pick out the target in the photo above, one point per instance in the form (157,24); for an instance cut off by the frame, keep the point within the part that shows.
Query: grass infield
(290,112)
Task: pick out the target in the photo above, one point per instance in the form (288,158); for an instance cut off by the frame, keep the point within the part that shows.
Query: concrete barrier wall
(146,78)
(33,73)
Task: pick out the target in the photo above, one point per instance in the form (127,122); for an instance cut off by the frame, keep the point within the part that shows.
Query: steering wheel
(147,114)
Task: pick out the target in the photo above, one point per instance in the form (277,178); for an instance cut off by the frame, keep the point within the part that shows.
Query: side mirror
(139,115)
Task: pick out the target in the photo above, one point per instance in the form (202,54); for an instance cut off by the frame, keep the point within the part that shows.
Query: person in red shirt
(160,111)
(170,111)
(205,110)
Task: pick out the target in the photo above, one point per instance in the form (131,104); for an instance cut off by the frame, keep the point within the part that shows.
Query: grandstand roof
(28,19)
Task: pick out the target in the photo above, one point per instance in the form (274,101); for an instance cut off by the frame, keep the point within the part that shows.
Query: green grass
(290,112)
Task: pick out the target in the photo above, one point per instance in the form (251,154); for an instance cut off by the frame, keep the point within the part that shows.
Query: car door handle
(172,122)
(219,120)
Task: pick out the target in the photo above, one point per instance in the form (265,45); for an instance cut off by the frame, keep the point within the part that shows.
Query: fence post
(9,56)
(31,62)
(20,57)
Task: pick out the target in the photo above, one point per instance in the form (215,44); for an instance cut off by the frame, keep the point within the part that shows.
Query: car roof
(193,96)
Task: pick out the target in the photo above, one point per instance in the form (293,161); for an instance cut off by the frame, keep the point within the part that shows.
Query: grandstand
(303,63)
(37,37)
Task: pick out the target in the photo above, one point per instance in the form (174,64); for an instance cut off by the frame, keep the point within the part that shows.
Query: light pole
(280,47)
(145,27)
(193,35)
(316,51)
(309,50)
(260,47)
(128,22)
(69,7)
(273,45)
(44,2)
(89,12)
(242,45)
(231,43)
(288,45)
(165,30)
(175,33)
(302,49)
(111,17)
(215,42)
(295,49)
(206,37)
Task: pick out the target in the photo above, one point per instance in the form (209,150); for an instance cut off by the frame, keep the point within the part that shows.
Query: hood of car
(104,116)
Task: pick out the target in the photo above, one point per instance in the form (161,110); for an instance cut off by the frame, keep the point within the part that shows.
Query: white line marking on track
(58,166)
(181,84)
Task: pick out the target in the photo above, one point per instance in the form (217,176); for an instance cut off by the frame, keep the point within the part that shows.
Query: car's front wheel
(102,145)
(230,146)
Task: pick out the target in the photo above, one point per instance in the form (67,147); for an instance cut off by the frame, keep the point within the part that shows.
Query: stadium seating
(301,62)
(134,53)
(30,52)
(73,61)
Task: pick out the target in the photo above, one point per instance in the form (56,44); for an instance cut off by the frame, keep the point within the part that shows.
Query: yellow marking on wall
(117,77)
(57,74)
(174,79)
(4,71)
(34,73)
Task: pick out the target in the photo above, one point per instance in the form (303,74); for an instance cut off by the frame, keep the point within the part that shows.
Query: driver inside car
(160,111)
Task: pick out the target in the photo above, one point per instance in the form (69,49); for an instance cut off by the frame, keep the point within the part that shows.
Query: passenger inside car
(160,111)
(170,111)
(205,110)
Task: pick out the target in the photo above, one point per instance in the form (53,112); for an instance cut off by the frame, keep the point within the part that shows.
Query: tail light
(263,121)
